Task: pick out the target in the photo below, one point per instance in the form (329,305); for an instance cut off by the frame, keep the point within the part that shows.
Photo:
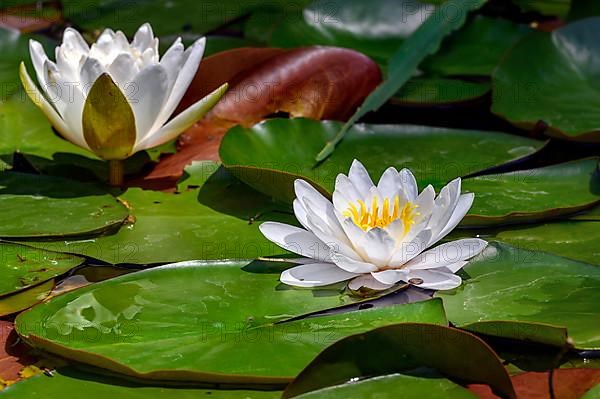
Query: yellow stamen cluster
(374,216)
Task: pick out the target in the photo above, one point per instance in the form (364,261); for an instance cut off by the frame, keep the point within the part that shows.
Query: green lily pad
(39,206)
(507,284)
(558,8)
(404,347)
(388,387)
(172,17)
(439,91)
(195,322)
(22,267)
(592,214)
(25,299)
(593,393)
(76,384)
(553,77)
(14,49)
(25,130)
(435,155)
(374,28)
(206,220)
(572,239)
(477,48)
(534,194)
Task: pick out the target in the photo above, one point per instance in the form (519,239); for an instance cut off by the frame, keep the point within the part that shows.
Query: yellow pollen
(367,217)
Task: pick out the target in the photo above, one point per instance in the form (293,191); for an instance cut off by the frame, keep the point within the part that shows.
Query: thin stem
(115,172)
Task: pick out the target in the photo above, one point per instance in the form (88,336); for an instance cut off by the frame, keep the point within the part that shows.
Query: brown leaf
(567,384)
(13,353)
(314,82)
(32,17)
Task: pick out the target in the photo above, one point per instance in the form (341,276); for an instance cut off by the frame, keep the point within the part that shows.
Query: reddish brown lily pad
(567,384)
(14,354)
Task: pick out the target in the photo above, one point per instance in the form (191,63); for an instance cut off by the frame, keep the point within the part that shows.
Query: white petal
(122,70)
(390,185)
(300,213)
(447,254)
(444,207)
(425,203)
(329,232)
(40,101)
(143,38)
(148,97)
(74,43)
(409,249)
(462,207)
(345,193)
(378,246)
(369,282)
(433,279)
(304,191)
(315,275)
(389,277)
(351,265)
(192,57)
(90,72)
(359,176)
(409,183)
(296,240)
(183,121)
(38,58)
(453,268)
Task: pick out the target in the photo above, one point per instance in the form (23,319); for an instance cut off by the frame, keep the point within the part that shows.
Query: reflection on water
(101,310)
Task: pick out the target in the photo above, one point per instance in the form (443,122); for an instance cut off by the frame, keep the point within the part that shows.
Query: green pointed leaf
(553,77)
(506,284)
(76,384)
(35,206)
(405,347)
(435,155)
(108,122)
(534,194)
(22,267)
(572,239)
(388,387)
(25,299)
(195,322)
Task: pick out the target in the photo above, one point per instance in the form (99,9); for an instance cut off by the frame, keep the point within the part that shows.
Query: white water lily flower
(376,235)
(115,98)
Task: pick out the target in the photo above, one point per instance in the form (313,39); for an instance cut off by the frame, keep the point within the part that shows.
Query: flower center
(367,217)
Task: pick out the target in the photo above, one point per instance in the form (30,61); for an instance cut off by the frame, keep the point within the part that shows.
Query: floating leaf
(25,299)
(77,384)
(375,28)
(547,7)
(192,224)
(388,387)
(167,18)
(553,77)
(534,194)
(22,267)
(38,206)
(506,284)
(571,383)
(318,83)
(476,48)
(404,347)
(435,155)
(428,91)
(575,240)
(404,62)
(13,353)
(163,318)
